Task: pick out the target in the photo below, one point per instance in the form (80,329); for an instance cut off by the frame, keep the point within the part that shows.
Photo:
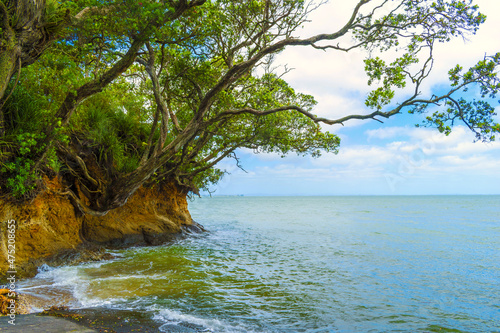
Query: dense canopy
(114,95)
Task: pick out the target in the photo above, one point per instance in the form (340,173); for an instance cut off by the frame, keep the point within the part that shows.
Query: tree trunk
(119,190)
(25,35)
(8,62)
(23,38)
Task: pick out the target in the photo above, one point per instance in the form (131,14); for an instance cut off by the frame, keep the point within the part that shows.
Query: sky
(393,158)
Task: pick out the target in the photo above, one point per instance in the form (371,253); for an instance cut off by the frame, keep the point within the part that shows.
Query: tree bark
(9,51)
(8,63)
(120,189)
(24,37)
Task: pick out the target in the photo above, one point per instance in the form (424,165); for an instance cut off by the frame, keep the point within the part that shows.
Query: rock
(194,228)
(110,320)
(55,308)
(36,324)
(13,303)
(50,231)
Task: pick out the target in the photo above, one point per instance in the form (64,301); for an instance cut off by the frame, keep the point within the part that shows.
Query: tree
(136,93)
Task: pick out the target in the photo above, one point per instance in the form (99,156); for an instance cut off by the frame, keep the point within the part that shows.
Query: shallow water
(308,264)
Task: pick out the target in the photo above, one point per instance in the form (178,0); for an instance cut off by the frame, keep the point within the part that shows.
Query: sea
(306,264)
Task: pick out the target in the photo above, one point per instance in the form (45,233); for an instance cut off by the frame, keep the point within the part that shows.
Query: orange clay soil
(49,229)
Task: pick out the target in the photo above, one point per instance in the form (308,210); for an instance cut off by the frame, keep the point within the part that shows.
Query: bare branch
(81,206)
(211,164)
(80,163)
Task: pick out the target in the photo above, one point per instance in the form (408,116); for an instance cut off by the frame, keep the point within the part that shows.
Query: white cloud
(392,160)
(414,156)
(335,106)
(386,132)
(427,155)
(334,77)
(468,52)
(355,157)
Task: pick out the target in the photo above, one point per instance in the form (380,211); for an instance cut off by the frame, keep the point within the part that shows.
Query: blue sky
(394,158)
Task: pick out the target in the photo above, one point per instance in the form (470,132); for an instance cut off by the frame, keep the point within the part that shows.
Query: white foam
(135,276)
(66,279)
(171,317)
(45,268)
(34,309)
(41,286)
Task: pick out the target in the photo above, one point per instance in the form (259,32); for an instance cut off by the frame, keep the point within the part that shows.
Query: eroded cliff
(50,230)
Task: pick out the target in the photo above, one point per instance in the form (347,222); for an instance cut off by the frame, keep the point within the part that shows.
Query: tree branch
(5,17)
(13,88)
(81,206)
(238,70)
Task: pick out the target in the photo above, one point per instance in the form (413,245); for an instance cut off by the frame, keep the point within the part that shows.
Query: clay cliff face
(49,226)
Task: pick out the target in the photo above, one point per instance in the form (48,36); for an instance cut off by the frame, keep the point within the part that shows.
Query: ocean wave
(177,321)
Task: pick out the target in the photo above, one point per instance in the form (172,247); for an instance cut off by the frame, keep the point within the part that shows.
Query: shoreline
(33,323)
(89,320)
(97,320)
(30,318)
(36,314)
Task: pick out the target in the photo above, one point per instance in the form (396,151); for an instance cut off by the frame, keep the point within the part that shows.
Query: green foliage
(113,131)
(25,111)
(16,171)
(478,115)
(449,19)
(26,117)
(6,148)
(206,179)
(390,76)
(20,143)
(215,85)
(18,174)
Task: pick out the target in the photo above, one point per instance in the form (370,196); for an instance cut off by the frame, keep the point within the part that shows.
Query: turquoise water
(309,264)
